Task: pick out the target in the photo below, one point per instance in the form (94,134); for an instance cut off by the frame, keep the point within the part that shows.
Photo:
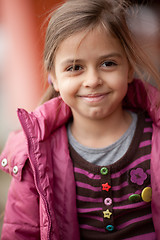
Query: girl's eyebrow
(110,55)
(72,61)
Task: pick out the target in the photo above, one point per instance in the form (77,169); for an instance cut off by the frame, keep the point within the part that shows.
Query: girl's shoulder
(37,126)
(143,96)
(14,155)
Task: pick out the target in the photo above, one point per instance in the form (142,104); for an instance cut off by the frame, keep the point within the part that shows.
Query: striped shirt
(113,202)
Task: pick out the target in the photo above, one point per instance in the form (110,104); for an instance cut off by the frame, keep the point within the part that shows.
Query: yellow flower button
(147,194)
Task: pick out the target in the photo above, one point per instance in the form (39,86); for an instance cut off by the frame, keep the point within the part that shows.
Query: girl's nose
(92,79)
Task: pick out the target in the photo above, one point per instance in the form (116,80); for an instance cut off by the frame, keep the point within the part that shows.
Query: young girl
(86,164)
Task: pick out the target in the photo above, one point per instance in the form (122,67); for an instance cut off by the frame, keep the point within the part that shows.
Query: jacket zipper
(29,138)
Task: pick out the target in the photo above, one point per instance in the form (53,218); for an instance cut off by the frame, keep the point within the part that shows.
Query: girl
(86,164)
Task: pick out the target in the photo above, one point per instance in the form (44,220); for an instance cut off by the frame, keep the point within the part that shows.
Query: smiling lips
(94,97)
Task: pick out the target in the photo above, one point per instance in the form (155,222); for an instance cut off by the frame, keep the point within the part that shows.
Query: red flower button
(106,187)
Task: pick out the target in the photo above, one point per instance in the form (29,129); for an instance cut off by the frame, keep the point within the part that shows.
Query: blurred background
(22,31)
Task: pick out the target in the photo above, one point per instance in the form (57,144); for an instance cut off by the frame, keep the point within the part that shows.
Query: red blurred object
(22,22)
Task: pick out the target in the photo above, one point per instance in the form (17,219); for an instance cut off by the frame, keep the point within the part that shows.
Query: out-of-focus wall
(144,21)
(20,72)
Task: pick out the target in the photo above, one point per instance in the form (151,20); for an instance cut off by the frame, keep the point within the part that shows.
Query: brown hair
(74,16)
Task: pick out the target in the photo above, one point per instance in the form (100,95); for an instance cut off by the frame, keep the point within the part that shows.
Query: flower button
(138,176)
(106,187)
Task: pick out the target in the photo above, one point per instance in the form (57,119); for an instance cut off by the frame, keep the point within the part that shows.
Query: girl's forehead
(86,35)
(90,44)
(99,35)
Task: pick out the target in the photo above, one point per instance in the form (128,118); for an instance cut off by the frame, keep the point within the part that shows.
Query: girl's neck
(101,133)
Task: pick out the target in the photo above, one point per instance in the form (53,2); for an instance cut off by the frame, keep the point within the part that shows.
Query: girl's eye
(74,68)
(109,64)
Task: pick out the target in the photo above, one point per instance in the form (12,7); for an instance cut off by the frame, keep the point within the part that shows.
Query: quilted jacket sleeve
(21,220)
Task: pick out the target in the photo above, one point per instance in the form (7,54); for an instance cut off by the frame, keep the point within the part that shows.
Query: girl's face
(92,74)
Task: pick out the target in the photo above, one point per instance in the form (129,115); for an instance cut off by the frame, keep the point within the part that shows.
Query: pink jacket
(42,197)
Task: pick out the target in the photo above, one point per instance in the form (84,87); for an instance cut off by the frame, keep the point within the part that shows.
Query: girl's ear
(53,81)
(130,74)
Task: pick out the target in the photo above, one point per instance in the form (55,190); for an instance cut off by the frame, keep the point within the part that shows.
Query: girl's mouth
(94,97)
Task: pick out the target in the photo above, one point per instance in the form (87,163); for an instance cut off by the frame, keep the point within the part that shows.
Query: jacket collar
(46,119)
(144,96)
